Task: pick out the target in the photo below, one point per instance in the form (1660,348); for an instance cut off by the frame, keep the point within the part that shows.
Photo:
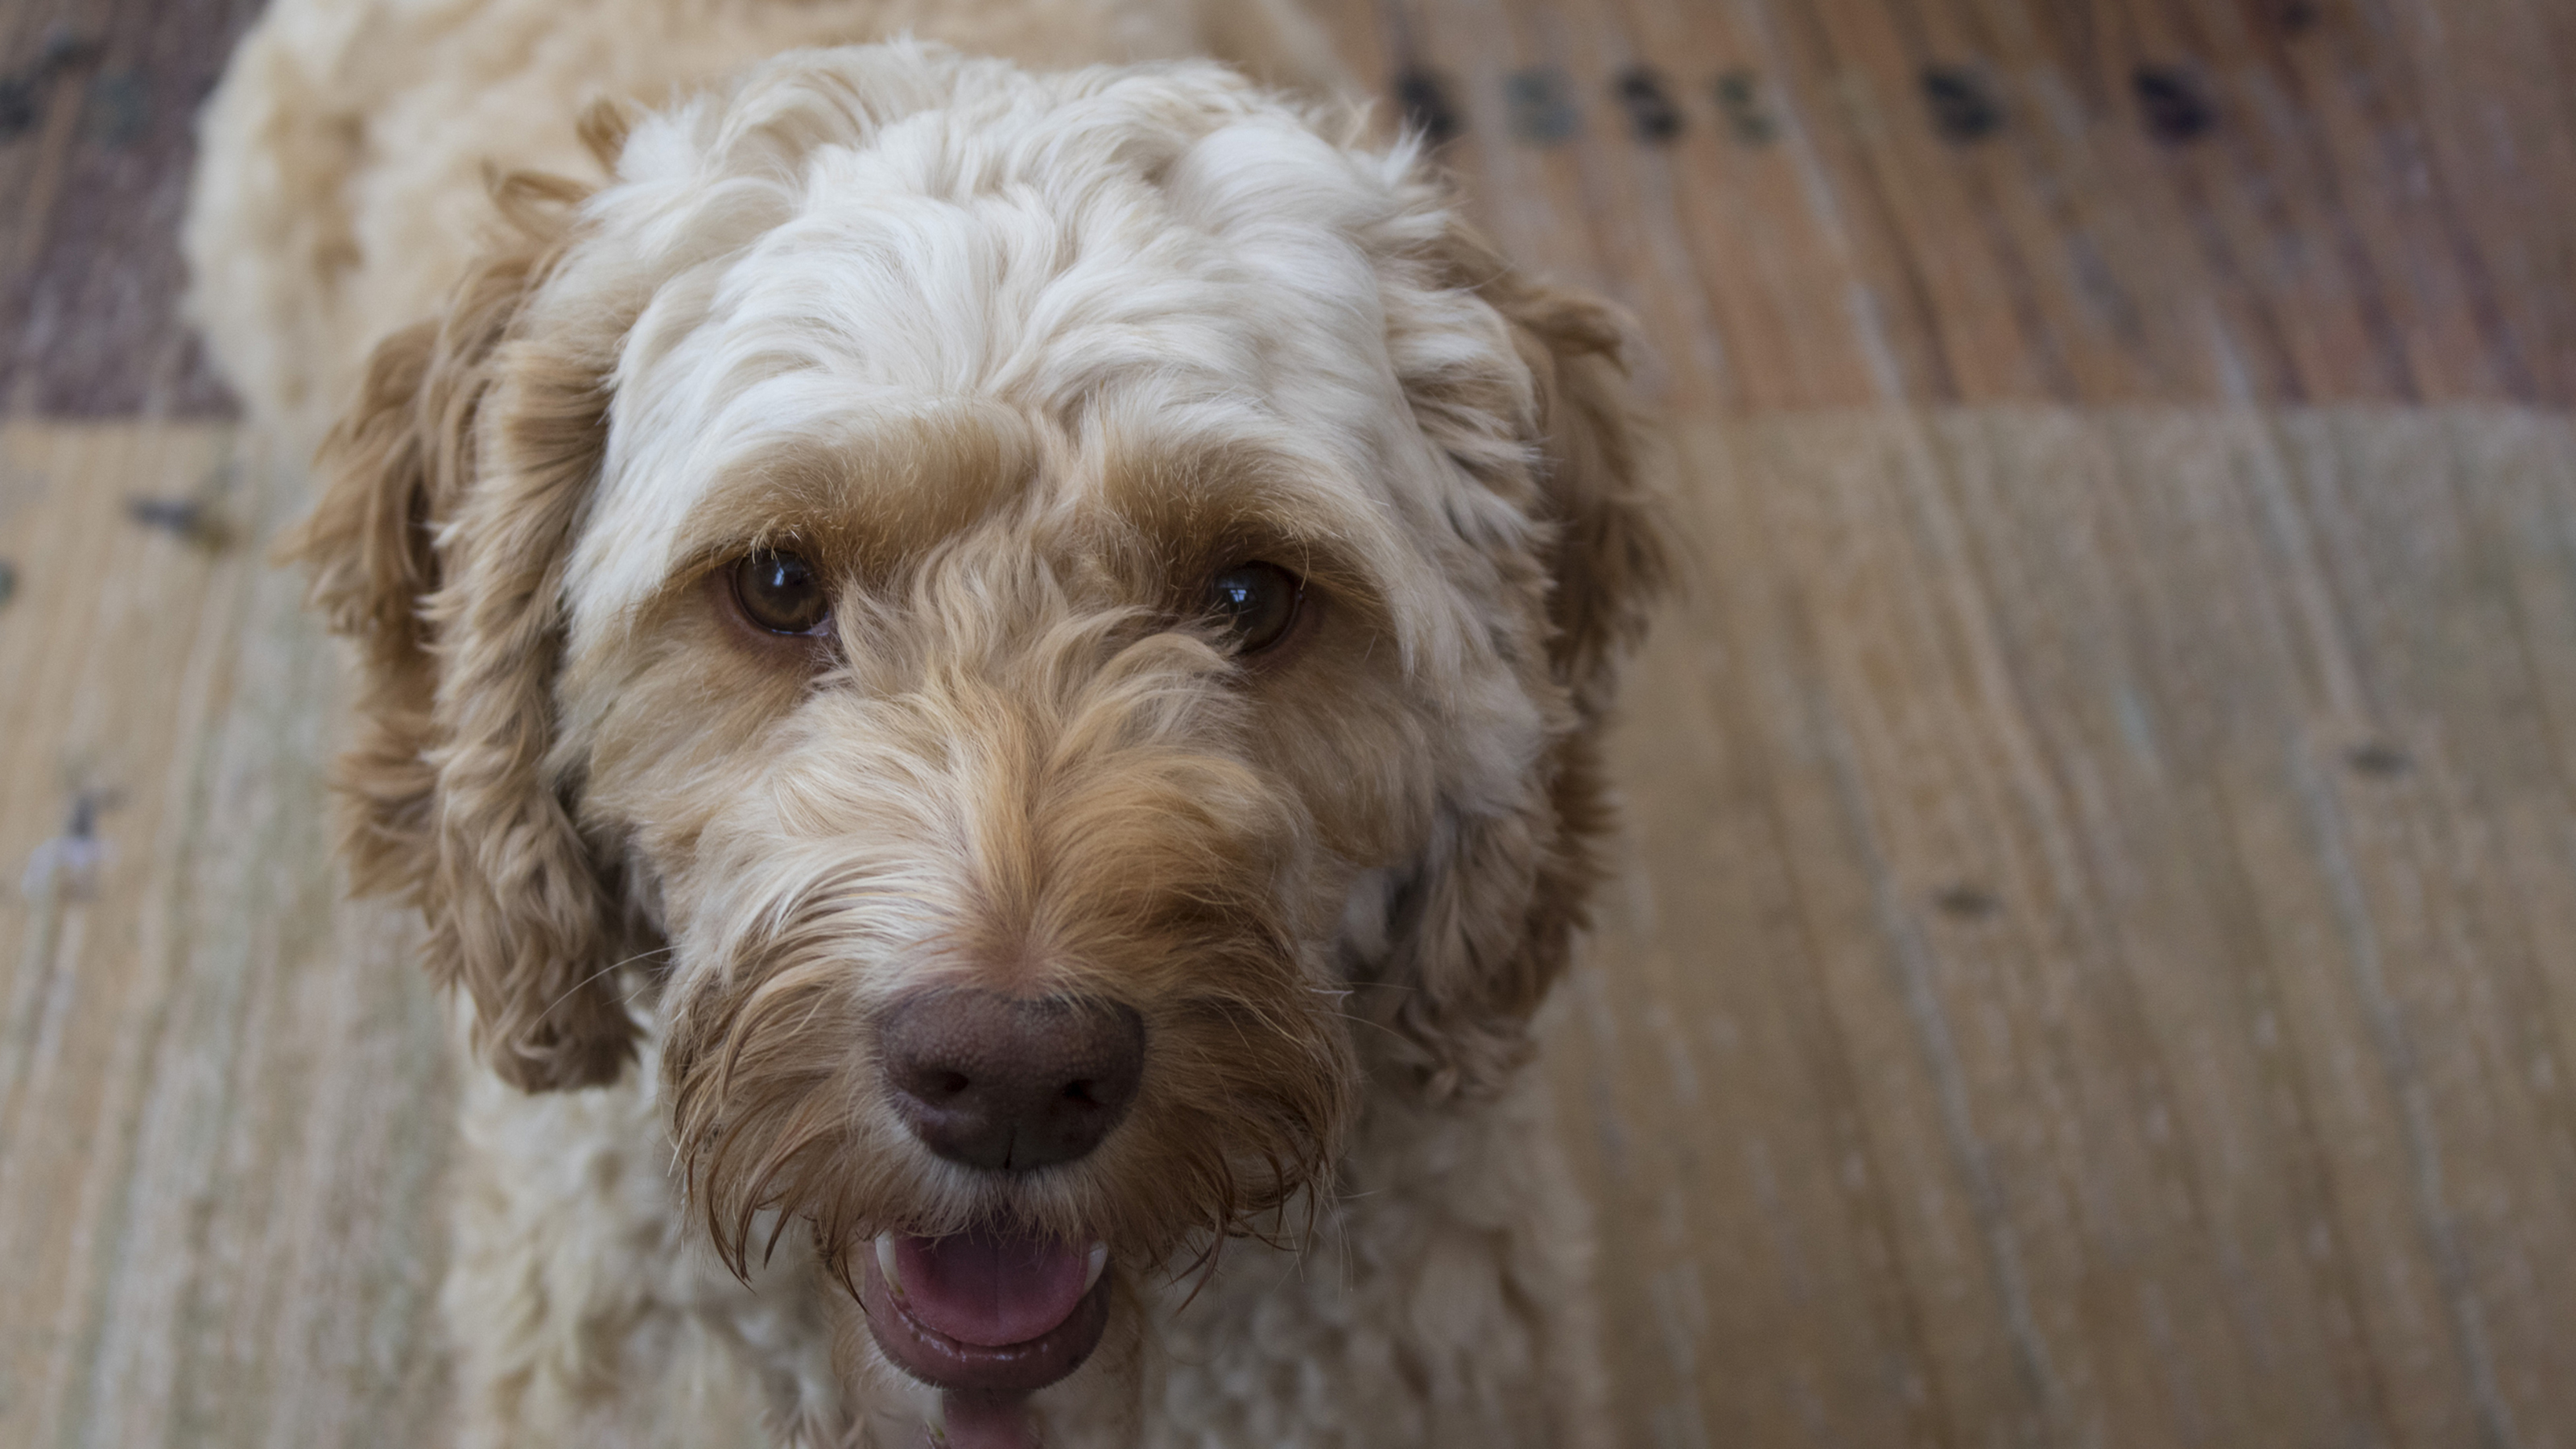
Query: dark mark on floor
(2297,16)
(8,582)
(1966,902)
(1652,116)
(2378,759)
(2174,104)
(67,866)
(1964,106)
(118,111)
(1739,99)
(191,520)
(1542,105)
(22,95)
(1424,100)
(170,515)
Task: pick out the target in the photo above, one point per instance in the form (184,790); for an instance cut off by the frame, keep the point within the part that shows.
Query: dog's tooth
(885,1264)
(1098,1265)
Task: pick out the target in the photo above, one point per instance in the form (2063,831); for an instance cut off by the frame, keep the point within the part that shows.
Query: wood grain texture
(2091,965)
(2365,204)
(2094,967)
(98,100)
(2367,212)
(223,1095)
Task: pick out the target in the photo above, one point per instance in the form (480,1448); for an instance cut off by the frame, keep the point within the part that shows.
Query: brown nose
(1010,1083)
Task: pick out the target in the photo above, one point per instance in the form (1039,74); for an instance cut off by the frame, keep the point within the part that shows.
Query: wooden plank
(223,1100)
(2021,831)
(2362,212)
(2463,1000)
(2263,247)
(1762,1298)
(96,177)
(2040,1006)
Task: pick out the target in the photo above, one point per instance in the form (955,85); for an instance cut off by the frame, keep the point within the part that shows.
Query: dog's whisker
(601,974)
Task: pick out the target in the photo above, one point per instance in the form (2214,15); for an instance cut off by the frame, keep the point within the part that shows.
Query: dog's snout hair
(1015,799)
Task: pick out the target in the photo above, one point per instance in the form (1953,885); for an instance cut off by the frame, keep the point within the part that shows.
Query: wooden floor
(1859,202)
(2096,962)
(2095,967)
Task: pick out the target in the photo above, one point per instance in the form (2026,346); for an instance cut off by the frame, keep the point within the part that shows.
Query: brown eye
(1255,603)
(781,593)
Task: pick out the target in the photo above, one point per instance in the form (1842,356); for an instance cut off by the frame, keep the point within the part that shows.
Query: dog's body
(1213,562)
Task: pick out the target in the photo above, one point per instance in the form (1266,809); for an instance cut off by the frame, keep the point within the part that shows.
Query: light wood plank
(2154,1057)
(226,1110)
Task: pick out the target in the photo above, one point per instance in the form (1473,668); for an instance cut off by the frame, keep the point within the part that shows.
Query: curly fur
(1019,360)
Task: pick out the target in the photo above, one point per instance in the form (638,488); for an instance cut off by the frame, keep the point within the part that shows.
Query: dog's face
(1050,624)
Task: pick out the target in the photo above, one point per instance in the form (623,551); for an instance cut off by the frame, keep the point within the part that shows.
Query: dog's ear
(1485,928)
(1607,563)
(451,490)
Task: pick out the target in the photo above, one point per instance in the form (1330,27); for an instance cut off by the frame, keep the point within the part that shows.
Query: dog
(983,647)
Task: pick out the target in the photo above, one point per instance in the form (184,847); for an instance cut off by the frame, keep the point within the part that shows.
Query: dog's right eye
(781,593)
(1256,604)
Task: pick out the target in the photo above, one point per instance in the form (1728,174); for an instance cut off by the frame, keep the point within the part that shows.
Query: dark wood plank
(96,166)
(2347,200)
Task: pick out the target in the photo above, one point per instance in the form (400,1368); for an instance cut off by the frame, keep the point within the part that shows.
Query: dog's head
(1044,625)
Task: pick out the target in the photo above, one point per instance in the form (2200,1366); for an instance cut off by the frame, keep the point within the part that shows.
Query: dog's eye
(781,593)
(1255,603)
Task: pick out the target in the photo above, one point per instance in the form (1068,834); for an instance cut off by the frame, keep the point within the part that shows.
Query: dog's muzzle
(1004,1084)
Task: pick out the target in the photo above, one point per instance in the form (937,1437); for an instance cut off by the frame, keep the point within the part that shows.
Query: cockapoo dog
(985,671)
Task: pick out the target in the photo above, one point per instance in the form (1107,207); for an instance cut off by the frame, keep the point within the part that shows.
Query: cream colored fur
(1018,355)
(350,139)
(1443,1301)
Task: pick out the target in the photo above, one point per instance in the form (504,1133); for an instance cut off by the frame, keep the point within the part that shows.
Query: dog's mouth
(987,1318)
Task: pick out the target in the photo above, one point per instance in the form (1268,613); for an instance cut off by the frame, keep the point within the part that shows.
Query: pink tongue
(989,1290)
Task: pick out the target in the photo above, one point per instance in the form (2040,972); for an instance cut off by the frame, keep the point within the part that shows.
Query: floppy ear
(1607,563)
(1485,928)
(451,490)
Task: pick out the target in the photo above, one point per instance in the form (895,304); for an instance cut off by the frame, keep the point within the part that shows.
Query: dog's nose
(1010,1082)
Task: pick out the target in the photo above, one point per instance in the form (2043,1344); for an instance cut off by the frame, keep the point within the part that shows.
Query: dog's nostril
(1008,1082)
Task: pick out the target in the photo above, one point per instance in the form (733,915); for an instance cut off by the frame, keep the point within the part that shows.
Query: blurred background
(2095,962)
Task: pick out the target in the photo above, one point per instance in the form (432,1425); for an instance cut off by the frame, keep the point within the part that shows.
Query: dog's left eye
(1255,603)
(781,593)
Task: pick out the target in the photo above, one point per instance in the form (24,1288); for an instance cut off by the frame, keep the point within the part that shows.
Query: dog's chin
(988,1319)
